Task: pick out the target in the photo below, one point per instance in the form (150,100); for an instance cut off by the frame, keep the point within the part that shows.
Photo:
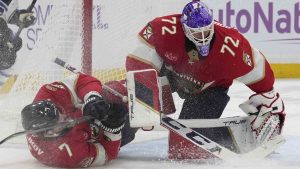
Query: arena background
(271,26)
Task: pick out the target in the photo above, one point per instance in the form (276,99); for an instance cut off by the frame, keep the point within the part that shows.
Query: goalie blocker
(145,93)
(145,97)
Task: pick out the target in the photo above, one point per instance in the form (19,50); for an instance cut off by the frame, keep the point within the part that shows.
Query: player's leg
(208,104)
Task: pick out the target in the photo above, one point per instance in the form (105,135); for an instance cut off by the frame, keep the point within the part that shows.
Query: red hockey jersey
(76,148)
(163,43)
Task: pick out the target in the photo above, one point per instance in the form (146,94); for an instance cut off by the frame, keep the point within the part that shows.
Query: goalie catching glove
(109,117)
(266,111)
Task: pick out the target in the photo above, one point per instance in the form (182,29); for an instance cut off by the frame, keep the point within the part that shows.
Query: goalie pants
(209,104)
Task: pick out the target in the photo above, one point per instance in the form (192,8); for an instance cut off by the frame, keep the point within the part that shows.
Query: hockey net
(96,45)
(67,34)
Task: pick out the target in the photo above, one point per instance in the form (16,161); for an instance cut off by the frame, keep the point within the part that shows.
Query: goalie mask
(39,115)
(198,25)
(8,8)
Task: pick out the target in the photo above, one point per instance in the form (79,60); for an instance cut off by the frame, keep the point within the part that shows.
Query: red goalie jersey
(77,147)
(169,48)
(163,46)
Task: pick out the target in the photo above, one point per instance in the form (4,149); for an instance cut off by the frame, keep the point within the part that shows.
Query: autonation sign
(271,26)
(267,17)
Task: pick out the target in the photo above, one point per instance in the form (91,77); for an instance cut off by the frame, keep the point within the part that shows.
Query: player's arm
(266,106)
(84,88)
(144,56)
(93,151)
(73,90)
(108,112)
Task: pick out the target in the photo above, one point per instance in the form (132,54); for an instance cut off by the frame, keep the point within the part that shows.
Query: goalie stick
(197,138)
(214,148)
(221,122)
(65,124)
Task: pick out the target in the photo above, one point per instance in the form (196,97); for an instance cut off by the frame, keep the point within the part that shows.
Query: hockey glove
(22,18)
(266,111)
(116,119)
(95,107)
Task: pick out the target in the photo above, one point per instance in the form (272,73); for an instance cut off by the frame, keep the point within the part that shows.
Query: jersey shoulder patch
(160,29)
(146,35)
(166,35)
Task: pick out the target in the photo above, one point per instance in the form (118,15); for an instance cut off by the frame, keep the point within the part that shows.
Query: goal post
(87,24)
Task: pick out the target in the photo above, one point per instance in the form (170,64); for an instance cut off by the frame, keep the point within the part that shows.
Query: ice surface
(149,150)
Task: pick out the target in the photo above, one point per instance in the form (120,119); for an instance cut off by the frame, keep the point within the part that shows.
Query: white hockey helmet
(7,8)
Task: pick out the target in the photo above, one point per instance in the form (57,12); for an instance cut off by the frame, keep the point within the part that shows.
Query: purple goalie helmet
(198,25)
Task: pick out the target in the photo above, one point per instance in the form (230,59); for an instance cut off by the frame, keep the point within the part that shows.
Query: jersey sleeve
(111,143)
(70,92)
(144,56)
(253,68)
(260,77)
(81,86)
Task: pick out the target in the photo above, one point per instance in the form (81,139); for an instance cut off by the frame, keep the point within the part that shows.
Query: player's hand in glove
(116,118)
(22,18)
(9,45)
(96,107)
(266,111)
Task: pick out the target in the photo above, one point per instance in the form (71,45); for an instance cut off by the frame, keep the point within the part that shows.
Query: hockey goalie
(198,58)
